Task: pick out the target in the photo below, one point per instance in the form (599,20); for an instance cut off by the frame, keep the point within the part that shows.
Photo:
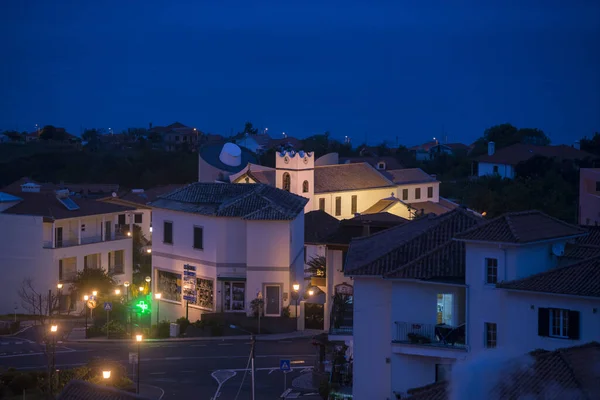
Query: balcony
(70,242)
(67,276)
(116,270)
(430,336)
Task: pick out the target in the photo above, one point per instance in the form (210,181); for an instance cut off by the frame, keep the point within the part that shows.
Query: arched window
(286,182)
(305,187)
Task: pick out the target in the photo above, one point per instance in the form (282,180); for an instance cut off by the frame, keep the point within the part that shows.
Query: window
(121,219)
(442,372)
(169,284)
(305,187)
(445,307)
(558,322)
(491,271)
(417,193)
(495,169)
(168,232)
(91,261)
(137,218)
(305,250)
(116,261)
(430,192)
(287,182)
(381,165)
(67,269)
(322,204)
(404,194)
(234,295)
(338,206)
(491,333)
(354,204)
(198,238)
(205,293)
(177,138)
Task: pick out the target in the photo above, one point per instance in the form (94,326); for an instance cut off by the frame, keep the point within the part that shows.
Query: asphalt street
(215,369)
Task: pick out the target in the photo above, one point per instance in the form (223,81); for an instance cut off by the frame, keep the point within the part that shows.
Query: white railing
(70,242)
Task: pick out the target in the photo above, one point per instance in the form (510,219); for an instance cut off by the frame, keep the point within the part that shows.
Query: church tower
(295,172)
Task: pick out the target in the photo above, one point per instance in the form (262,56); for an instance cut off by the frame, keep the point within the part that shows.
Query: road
(182,369)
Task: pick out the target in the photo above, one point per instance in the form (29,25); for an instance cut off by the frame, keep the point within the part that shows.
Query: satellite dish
(558,249)
(231,155)
(114,194)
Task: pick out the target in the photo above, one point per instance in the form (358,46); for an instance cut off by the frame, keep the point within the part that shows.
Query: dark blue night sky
(375,69)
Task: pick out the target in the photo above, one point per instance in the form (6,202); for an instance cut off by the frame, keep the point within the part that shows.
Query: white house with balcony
(49,235)
(240,242)
(439,291)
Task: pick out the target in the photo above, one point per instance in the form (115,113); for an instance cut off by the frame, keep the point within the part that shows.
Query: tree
(317,266)
(142,261)
(504,135)
(590,145)
(34,302)
(14,136)
(248,129)
(49,132)
(93,279)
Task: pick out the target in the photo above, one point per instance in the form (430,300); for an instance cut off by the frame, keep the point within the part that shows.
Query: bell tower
(295,172)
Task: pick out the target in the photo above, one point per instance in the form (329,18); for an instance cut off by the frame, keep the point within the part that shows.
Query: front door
(272,301)
(59,237)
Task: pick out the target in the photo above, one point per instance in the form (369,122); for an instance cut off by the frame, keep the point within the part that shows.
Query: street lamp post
(252,354)
(106,375)
(53,330)
(126,284)
(138,339)
(296,288)
(259,296)
(59,286)
(157,296)
(85,307)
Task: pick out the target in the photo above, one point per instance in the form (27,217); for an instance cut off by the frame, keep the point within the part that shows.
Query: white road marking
(221,376)
(269,369)
(4,343)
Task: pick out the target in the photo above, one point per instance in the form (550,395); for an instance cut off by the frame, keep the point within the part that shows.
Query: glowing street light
(148,251)
(95,293)
(126,284)
(296,295)
(54,328)
(141,289)
(148,279)
(106,374)
(128,233)
(157,296)
(296,287)
(59,285)
(138,339)
(86,297)
(117,291)
(311,292)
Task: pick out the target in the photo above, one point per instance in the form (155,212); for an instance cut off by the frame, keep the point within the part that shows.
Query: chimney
(491,148)
(577,145)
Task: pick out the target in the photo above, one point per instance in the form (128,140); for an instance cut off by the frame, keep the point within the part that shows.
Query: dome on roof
(231,155)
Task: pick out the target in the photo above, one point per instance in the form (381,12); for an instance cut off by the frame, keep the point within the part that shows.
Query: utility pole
(253,341)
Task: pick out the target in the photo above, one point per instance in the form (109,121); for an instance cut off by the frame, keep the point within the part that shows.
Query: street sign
(285,365)
(91,303)
(107,306)
(133,358)
(189,283)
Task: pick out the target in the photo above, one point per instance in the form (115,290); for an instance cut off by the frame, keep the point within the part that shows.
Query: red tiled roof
(570,373)
(383,252)
(390,162)
(318,226)
(46,204)
(425,146)
(341,177)
(151,194)
(521,227)
(380,217)
(407,176)
(579,279)
(519,152)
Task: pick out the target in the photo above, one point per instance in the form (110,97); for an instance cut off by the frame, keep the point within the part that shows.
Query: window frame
(286,182)
(490,329)
(194,237)
(430,192)
(231,284)
(164,233)
(354,204)
(338,206)
(322,204)
(135,218)
(487,271)
(305,187)
(404,194)
(418,193)
(563,323)
(495,169)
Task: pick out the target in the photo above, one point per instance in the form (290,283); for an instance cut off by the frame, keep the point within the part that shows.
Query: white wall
(410,372)
(335,276)
(366,198)
(519,326)
(504,171)
(423,186)
(372,338)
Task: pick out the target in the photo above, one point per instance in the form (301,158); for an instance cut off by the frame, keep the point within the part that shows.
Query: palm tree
(317,266)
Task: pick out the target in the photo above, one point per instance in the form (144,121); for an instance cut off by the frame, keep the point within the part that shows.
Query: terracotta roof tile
(340,177)
(390,162)
(318,226)
(408,175)
(46,204)
(521,227)
(384,217)
(149,195)
(580,279)
(565,374)
(247,201)
(383,252)
(519,152)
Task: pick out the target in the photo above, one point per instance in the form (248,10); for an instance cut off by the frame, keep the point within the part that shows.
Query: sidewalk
(78,335)
(151,392)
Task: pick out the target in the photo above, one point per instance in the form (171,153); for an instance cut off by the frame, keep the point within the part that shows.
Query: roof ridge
(361,238)
(420,258)
(511,227)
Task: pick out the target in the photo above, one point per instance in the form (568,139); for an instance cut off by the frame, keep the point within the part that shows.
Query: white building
(344,190)
(434,301)
(48,236)
(242,240)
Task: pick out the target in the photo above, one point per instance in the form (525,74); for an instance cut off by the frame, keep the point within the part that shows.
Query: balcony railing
(67,276)
(430,335)
(70,242)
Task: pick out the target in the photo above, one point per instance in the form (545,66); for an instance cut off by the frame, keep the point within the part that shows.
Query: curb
(259,338)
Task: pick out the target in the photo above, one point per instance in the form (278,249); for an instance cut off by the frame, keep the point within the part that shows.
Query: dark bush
(183,324)
(162,330)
